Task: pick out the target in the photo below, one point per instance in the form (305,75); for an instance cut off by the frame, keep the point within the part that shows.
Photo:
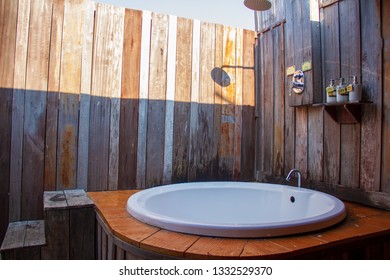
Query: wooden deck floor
(365,233)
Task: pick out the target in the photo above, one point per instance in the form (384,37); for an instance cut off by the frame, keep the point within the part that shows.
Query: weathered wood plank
(170,100)
(385,180)
(248,108)
(226,153)
(130,99)
(238,107)
(114,75)
(278,74)
(331,66)
(19,82)
(35,233)
(182,100)
(371,129)
(217,76)
(82,242)
(85,95)
(35,109)
(50,180)
(350,59)
(193,125)
(157,96)
(204,136)
(8,33)
(143,99)
(14,238)
(70,83)
(289,113)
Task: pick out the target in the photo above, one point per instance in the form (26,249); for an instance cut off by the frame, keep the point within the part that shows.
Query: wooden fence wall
(102,98)
(348,160)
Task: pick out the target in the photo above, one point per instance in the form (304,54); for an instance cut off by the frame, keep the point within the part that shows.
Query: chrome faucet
(292,171)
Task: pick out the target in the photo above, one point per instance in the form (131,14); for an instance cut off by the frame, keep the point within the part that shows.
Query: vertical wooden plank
(331,65)
(226,160)
(350,59)
(82,238)
(85,95)
(50,180)
(182,100)
(8,33)
(157,96)
(56,222)
(130,99)
(313,139)
(35,109)
(278,129)
(204,136)
(372,87)
(104,118)
(289,114)
(70,82)
(248,107)
(385,180)
(268,66)
(143,99)
(19,84)
(238,106)
(217,112)
(194,99)
(170,99)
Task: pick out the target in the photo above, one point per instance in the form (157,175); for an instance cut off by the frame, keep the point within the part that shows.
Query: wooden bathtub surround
(365,233)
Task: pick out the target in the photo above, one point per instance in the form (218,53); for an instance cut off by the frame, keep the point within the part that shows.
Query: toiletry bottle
(355,90)
(341,92)
(331,92)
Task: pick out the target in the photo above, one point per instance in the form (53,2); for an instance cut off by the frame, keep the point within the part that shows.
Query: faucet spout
(292,171)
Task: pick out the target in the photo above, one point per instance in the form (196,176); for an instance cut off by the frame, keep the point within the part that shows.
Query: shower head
(258,5)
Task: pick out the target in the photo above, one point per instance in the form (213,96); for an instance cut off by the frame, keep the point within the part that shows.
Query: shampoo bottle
(341,92)
(331,92)
(355,90)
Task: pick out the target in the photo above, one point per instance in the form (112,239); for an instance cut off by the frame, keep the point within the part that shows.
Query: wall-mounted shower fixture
(298,82)
(258,5)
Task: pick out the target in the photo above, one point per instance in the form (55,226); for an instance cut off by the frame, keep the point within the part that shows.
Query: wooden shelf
(344,112)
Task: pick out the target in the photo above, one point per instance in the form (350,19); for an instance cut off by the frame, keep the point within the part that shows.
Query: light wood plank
(16,150)
(170,98)
(143,99)
(156,103)
(182,100)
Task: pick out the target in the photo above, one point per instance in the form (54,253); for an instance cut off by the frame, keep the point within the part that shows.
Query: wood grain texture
(129,99)
(371,129)
(156,102)
(183,87)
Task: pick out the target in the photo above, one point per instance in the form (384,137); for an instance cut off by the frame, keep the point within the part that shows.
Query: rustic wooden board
(289,113)
(385,180)
(331,66)
(129,99)
(237,140)
(350,62)
(204,136)
(183,86)
(50,180)
(193,122)
(35,109)
(248,108)
(371,129)
(279,73)
(19,81)
(143,99)
(85,95)
(156,104)
(315,130)
(82,242)
(170,99)
(298,17)
(217,76)
(215,248)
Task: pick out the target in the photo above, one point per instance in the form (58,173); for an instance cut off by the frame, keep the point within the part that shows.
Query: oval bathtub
(236,209)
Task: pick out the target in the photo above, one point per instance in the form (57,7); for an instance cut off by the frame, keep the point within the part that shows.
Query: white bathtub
(236,209)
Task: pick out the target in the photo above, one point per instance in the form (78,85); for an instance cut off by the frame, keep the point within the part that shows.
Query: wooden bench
(23,240)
